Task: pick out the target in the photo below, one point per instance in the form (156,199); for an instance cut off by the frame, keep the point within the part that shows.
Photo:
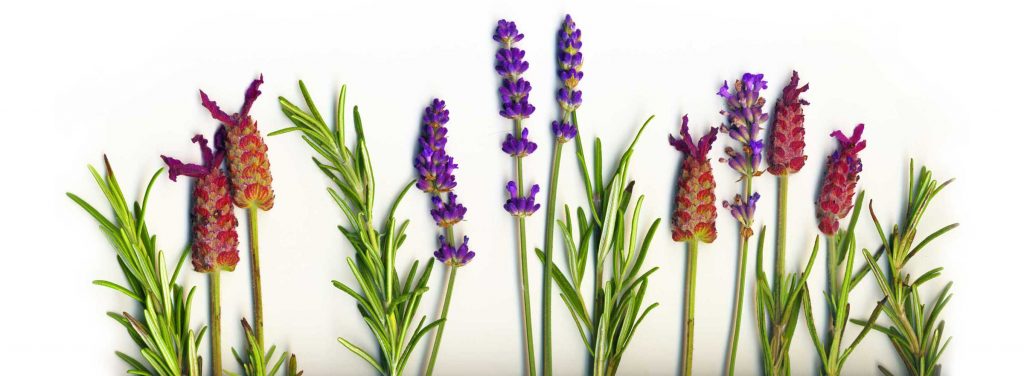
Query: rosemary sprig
(617,301)
(387,304)
(257,362)
(163,332)
(916,332)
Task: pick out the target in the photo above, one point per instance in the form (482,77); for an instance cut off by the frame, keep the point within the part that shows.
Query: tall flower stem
(444,310)
(691,287)
(257,285)
(524,273)
(549,241)
(780,237)
(215,322)
(741,284)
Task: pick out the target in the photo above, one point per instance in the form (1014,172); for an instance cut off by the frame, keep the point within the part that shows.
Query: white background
(80,79)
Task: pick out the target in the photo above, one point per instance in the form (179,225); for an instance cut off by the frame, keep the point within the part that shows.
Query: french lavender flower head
(745,116)
(433,164)
(787,150)
(453,256)
(841,175)
(247,152)
(742,208)
(521,206)
(215,240)
(695,213)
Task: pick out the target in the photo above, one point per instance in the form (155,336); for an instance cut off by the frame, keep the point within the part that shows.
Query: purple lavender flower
(433,164)
(743,210)
(452,256)
(570,65)
(447,213)
(518,146)
(745,116)
(510,65)
(521,206)
(564,131)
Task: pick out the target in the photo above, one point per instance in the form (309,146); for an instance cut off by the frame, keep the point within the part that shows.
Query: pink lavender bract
(841,176)
(787,136)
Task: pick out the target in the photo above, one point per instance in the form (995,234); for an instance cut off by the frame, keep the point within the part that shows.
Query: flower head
(742,208)
(570,64)
(215,239)
(521,205)
(787,152)
(841,175)
(436,169)
(695,213)
(452,256)
(447,213)
(518,146)
(510,64)
(247,152)
(563,130)
(745,116)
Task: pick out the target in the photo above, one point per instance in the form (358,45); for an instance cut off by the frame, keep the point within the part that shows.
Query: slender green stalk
(215,322)
(257,285)
(444,315)
(691,287)
(741,284)
(780,237)
(524,274)
(549,241)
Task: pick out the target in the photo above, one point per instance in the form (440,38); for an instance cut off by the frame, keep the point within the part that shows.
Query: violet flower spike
(510,63)
(521,206)
(433,164)
(745,115)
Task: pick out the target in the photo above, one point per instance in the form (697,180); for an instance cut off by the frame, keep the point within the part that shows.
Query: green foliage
(841,281)
(618,301)
(387,304)
(166,342)
(916,331)
(257,363)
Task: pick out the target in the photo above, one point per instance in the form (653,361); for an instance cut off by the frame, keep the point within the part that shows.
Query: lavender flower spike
(570,62)
(521,206)
(743,210)
(510,65)
(745,115)
(433,164)
(452,256)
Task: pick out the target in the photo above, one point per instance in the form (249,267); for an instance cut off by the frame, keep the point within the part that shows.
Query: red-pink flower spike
(247,153)
(215,240)
(841,175)
(787,137)
(695,212)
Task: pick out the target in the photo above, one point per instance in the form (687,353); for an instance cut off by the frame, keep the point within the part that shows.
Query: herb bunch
(386,303)
(167,344)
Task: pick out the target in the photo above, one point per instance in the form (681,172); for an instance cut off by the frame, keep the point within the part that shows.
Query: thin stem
(549,240)
(215,322)
(523,270)
(257,286)
(780,239)
(691,287)
(741,284)
(444,316)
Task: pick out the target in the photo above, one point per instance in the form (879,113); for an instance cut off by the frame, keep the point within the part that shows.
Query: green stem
(257,286)
(691,286)
(780,239)
(524,274)
(444,316)
(741,284)
(549,241)
(215,322)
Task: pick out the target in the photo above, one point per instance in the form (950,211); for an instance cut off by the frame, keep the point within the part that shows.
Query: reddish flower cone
(247,153)
(215,241)
(695,212)
(841,175)
(787,152)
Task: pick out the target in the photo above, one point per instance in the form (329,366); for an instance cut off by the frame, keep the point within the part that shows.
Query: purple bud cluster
(510,65)
(742,208)
(745,115)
